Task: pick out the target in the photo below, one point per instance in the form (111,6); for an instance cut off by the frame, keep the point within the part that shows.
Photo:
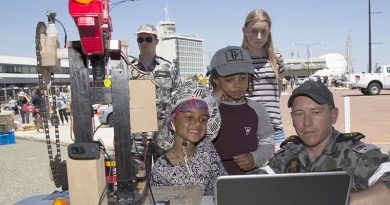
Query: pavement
(25,171)
(368,115)
(66,136)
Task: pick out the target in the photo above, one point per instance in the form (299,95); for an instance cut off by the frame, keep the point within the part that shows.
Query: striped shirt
(266,88)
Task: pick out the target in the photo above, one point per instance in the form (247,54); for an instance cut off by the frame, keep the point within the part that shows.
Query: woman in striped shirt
(268,65)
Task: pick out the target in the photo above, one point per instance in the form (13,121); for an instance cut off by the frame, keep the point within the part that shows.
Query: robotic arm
(94,24)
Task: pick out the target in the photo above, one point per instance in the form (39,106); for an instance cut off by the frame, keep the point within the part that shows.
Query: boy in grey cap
(319,147)
(246,137)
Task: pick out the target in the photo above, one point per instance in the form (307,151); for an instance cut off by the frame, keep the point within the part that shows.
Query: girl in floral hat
(190,157)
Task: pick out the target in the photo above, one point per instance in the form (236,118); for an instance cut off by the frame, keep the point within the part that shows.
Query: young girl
(246,137)
(191,158)
(268,66)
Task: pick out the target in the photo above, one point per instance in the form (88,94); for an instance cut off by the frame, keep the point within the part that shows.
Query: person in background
(192,124)
(292,82)
(61,106)
(268,66)
(23,98)
(14,105)
(246,138)
(319,147)
(159,70)
(36,100)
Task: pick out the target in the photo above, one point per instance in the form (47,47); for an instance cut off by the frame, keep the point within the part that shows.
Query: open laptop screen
(319,188)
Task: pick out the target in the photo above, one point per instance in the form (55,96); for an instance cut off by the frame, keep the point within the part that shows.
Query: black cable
(113,5)
(148,173)
(104,193)
(96,129)
(63,27)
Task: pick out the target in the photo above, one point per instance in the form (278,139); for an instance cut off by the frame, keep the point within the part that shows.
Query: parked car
(105,116)
(300,81)
(96,107)
(372,83)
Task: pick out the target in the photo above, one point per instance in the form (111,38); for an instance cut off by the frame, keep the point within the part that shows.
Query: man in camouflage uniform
(159,70)
(319,147)
(156,68)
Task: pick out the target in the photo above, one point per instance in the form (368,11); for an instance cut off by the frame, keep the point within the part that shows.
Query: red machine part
(93,22)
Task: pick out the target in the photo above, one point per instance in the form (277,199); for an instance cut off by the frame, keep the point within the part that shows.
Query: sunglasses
(148,39)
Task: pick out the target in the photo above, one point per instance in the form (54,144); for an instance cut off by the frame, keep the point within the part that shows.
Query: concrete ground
(24,170)
(368,115)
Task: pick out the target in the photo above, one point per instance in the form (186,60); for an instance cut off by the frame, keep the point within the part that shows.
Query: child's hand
(244,161)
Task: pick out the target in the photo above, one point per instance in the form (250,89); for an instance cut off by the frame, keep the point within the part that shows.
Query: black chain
(43,76)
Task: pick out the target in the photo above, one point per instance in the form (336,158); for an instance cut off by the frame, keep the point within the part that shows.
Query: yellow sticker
(107,83)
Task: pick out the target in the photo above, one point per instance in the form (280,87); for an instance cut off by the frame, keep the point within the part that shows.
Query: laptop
(319,188)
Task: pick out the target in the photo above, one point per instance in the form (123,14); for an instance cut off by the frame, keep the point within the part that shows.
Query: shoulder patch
(281,150)
(353,136)
(163,59)
(363,148)
(293,138)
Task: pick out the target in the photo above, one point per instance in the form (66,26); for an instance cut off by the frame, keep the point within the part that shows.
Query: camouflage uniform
(167,78)
(344,152)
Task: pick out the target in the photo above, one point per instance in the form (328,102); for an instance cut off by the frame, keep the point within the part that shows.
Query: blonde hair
(261,15)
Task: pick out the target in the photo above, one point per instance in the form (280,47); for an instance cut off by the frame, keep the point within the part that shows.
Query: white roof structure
(335,62)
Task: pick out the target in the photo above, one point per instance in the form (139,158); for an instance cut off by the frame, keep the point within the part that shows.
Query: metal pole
(308,54)
(308,59)
(347,115)
(369,37)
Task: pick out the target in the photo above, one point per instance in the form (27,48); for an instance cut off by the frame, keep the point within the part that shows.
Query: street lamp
(308,52)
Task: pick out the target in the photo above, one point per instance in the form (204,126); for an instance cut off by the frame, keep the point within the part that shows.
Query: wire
(147,72)
(63,27)
(104,193)
(113,5)
(103,150)
(96,129)
(148,171)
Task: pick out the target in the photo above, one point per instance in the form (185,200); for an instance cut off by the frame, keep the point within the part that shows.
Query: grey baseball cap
(231,60)
(317,91)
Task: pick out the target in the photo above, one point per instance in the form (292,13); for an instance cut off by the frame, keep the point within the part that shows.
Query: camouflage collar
(331,146)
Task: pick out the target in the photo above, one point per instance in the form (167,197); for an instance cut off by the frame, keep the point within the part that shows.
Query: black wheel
(7,108)
(364,91)
(110,120)
(374,89)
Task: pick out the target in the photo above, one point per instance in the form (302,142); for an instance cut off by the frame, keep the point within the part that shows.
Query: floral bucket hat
(185,91)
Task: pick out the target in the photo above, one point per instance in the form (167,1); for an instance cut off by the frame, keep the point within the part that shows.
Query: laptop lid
(320,188)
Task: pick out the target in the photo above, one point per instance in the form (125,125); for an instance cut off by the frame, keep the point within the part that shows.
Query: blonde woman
(268,65)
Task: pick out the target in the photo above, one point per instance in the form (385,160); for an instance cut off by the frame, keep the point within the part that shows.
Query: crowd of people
(28,106)
(233,126)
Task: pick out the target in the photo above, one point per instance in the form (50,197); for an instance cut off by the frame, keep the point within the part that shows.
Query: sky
(324,25)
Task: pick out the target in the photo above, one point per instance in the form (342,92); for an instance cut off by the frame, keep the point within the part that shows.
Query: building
(184,51)
(20,74)
(336,63)
(296,68)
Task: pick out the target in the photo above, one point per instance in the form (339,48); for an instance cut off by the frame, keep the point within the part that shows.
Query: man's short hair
(317,91)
